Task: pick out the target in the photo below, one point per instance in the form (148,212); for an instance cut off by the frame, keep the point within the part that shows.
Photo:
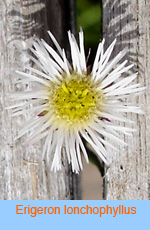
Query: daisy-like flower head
(69,104)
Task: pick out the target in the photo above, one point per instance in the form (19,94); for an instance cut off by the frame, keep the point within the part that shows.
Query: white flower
(69,104)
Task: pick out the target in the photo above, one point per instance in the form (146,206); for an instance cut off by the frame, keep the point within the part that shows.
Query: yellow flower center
(75,100)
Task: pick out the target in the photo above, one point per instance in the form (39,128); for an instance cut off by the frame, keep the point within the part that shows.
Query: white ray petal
(56,43)
(109,135)
(43,127)
(95,138)
(29,95)
(111,65)
(131,89)
(41,74)
(67,138)
(98,54)
(106,143)
(35,139)
(47,143)
(108,81)
(90,141)
(49,65)
(122,83)
(82,52)
(79,153)
(25,105)
(74,53)
(56,164)
(66,66)
(82,148)
(17,105)
(119,67)
(104,59)
(52,52)
(116,117)
(75,165)
(112,77)
(123,109)
(42,81)
(31,125)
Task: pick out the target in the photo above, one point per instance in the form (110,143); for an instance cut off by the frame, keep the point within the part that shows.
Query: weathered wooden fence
(129,22)
(22,175)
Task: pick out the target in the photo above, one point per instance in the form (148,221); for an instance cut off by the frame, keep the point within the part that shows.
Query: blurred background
(89,18)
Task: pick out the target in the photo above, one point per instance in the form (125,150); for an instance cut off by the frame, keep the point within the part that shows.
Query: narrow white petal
(82,54)
(108,80)
(79,153)
(111,65)
(106,143)
(109,116)
(41,74)
(121,83)
(49,65)
(47,143)
(42,128)
(53,54)
(133,109)
(74,53)
(44,82)
(119,67)
(31,125)
(56,43)
(66,67)
(95,138)
(82,148)
(16,105)
(103,132)
(104,59)
(75,164)
(56,164)
(127,90)
(29,95)
(90,141)
(67,138)
(35,139)
(98,54)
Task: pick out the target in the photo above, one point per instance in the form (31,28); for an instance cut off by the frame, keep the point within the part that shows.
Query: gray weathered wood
(129,22)
(22,174)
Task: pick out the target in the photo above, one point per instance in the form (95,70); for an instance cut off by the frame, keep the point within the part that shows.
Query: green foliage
(89,18)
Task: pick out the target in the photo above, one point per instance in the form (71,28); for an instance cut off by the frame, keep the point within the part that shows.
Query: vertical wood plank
(22,174)
(128,21)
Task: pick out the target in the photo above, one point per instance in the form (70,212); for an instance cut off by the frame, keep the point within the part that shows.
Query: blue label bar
(74,214)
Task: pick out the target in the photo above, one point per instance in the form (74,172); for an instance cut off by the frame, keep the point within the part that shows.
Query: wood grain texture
(22,173)
(129,22)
